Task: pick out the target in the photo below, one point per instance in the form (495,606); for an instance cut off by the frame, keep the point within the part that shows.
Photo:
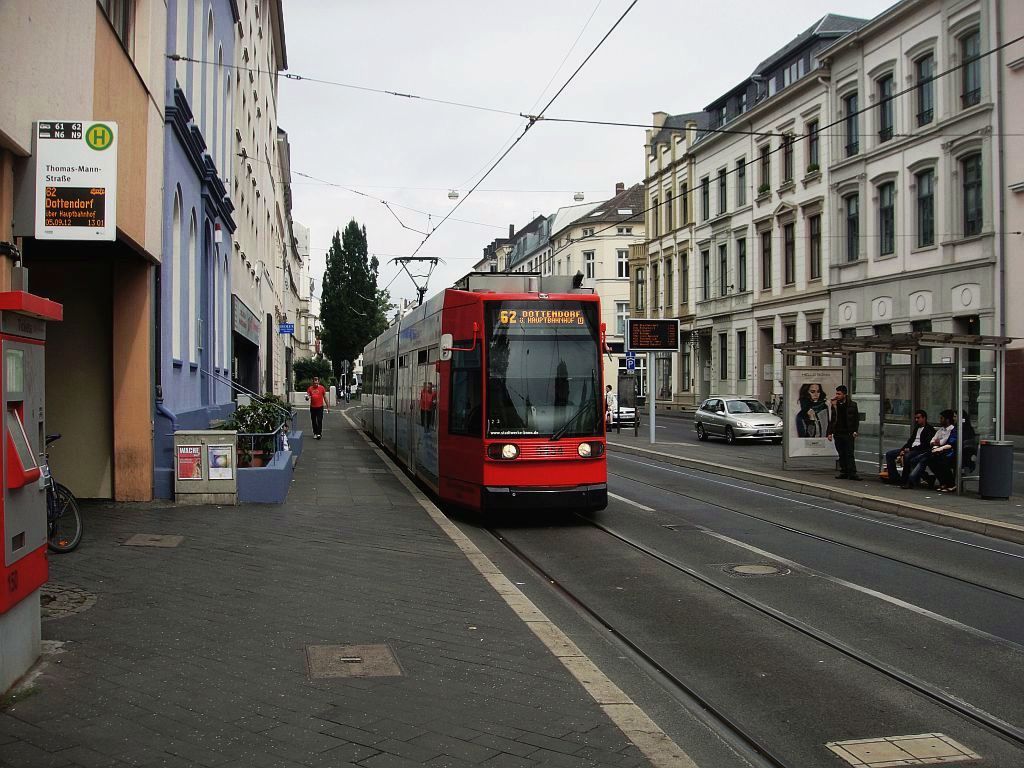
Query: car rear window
(746,406)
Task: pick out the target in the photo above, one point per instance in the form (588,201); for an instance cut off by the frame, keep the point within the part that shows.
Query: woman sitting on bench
(942,460)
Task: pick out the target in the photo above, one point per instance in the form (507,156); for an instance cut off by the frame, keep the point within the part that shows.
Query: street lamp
(453,194)
(578,197)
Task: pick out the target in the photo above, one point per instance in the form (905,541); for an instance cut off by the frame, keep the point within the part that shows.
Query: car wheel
(701,432)
(730,437)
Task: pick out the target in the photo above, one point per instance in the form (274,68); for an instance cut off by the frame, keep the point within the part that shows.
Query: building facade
(193,355)
(915,184)
(1010,82)
(593,241)
(257,277)
(111,69)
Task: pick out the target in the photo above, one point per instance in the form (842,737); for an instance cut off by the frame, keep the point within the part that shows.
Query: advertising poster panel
(806,412)
(190,462)
(219,459)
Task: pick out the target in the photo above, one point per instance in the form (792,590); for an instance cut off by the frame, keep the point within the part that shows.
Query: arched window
(227,142)
(214,334)
(195,92)
(176,276)
(225,287)
(191,285)
(210,78)
(181,43)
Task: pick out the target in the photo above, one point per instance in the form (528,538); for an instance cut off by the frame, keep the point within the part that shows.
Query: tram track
(660,671)
(753,750)
(834,541)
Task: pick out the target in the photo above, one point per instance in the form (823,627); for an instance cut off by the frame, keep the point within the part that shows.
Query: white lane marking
(841,582)
(853,515)
(865,590)
(634,723)
(636,504)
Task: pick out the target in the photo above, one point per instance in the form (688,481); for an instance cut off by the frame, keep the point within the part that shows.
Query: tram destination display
(76,180)
(653,335)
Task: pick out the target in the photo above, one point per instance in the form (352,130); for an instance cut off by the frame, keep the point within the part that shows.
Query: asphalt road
(679,430)
(945,608)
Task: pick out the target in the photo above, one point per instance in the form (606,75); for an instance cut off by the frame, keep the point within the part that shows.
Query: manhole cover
(756,569)
(154,540)
(918,749)
(351,661)
(60,600)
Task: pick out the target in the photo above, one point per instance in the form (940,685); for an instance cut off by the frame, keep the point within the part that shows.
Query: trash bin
(995,469)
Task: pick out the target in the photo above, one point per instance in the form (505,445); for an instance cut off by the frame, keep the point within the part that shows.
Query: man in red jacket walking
(316,395)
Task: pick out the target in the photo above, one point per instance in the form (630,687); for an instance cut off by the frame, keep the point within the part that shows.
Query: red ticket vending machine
(24,568)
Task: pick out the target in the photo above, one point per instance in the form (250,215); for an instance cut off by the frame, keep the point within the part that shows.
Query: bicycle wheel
(64,520)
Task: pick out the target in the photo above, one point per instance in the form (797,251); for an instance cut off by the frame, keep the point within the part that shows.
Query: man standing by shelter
(844,420)
(316,394)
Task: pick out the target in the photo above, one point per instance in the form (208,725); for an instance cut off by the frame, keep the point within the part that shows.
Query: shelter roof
(898,342)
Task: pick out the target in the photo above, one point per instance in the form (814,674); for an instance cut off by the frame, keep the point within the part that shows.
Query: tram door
(423,455)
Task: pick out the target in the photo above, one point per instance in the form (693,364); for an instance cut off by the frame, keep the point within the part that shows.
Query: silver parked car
(737,418)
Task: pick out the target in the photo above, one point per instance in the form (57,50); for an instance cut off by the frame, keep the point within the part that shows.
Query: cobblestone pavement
(211,652)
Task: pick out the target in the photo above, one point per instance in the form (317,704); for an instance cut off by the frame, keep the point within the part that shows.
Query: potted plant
(813,168)
(259,419)
(763,189)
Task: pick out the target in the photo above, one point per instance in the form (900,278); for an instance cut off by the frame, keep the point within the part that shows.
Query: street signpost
(286,328)
(76,180)
(650,336)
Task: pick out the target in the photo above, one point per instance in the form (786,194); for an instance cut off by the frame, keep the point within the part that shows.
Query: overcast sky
(666,55)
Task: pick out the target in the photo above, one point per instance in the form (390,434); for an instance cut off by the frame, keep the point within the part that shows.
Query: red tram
(491,394)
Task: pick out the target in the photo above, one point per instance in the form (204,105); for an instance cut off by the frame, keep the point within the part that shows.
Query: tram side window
(465,415)
(368,379)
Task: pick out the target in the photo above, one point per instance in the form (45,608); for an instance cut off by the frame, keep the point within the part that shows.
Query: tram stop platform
(999,518)
(341,628)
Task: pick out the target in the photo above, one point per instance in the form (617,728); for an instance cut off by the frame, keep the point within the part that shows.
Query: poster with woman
(806,411)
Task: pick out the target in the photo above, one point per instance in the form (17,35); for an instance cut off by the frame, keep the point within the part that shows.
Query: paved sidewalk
(195,653)
(1002,519)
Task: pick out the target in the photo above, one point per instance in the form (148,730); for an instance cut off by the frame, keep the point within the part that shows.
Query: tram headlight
(506,451)
(584,450)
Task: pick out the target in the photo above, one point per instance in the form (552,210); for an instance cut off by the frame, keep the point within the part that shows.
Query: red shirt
(427,399)
(316,394)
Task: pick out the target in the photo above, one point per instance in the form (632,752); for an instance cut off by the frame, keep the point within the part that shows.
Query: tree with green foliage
(353,310)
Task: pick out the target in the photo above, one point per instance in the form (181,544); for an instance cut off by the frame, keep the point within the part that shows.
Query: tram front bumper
(592,496)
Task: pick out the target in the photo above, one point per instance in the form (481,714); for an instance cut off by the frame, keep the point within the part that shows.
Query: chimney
(511,231)
(620,188)
(658,119)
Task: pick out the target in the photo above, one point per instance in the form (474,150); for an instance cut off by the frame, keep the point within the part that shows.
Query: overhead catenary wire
(800,137)
(532,121)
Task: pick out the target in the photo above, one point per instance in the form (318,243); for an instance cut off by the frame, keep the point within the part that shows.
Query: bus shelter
(922,370)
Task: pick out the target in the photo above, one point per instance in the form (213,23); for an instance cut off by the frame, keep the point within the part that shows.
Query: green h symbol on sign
(99,136)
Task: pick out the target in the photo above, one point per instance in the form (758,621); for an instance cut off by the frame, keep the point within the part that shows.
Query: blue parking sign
(630,363)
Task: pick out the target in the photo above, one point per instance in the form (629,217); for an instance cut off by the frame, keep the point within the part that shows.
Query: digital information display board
(76,180)
(653,335)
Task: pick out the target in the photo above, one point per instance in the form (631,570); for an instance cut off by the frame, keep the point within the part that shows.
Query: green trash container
(995,469)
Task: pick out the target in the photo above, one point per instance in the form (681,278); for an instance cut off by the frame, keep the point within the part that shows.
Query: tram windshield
(543,368)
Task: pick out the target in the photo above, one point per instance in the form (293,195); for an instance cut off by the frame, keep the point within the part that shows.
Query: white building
(257,271)
(915,183)
(593,241)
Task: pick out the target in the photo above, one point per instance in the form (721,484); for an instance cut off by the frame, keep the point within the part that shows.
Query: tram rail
(1006,731)
(836,541)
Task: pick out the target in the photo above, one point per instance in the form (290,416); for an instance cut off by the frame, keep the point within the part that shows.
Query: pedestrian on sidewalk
(316,395)
(914,453)
(611,405)
(844,420)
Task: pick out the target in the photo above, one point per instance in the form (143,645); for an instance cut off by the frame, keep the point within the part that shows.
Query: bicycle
(63,517)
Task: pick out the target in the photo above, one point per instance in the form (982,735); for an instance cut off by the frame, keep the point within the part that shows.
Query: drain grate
(59,600)
(892,751)
(351,661)
(153,540)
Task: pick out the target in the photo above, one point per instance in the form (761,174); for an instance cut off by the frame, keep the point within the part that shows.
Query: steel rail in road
(1000,727)
(722,723)
(827,539)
